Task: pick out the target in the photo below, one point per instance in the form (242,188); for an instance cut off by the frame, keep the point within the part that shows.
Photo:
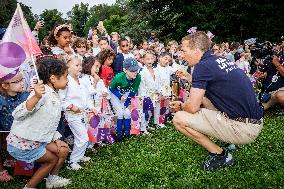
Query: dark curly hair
(78,43)
(51,38)
(104,54)
(88,64)
(50,66)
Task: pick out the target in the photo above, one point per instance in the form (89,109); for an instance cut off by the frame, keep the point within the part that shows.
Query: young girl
(106,58)
(76,103)
(80,47)
(97,91)
(163,74)
(124,86)
(11,95)
(96,47)
(148,90)
(90,79)
(33,135)
(59,39)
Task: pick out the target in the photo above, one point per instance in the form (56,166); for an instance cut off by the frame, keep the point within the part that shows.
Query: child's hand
(39,89)
(123,98)
(96,77)
(75,109)
(95,111)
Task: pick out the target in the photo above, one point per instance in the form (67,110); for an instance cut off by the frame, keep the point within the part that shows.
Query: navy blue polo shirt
(227,87)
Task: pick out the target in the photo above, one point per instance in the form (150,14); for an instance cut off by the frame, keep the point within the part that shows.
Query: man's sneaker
(74,166)
(232,147)
(215,161)
(85,159)
(54,181)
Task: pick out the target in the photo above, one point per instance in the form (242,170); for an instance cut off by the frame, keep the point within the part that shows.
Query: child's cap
(131,64)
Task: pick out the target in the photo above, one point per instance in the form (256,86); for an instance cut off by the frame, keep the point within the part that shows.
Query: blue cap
(131,64)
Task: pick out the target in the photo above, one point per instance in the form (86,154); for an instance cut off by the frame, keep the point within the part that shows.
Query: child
(124,86)
(75,102)
(95,40)
(148,90)
(163,74)
(96,90)
(59,39)
(11,95)
(104,43)
(106,58)
(80,47)
(33,135)
(94,85)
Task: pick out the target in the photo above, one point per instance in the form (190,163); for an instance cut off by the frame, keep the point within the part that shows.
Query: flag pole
(30,42)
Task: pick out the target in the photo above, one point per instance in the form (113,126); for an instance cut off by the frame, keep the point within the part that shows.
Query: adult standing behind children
(229,112)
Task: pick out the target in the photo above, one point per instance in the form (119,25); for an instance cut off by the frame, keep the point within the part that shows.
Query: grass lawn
(166,159)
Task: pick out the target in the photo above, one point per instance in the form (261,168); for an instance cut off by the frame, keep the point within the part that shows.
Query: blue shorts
(28,156)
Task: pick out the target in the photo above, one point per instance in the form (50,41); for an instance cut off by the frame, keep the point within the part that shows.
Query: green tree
(51,19)
(79,16)
(8,8)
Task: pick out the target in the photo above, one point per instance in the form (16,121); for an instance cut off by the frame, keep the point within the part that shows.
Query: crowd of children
(91,83)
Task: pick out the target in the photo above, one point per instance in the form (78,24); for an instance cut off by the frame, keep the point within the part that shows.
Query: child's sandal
(5,177)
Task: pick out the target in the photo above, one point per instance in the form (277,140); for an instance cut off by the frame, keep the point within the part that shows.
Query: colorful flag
(100,125)
(136,109)
(164,110)
(17,45)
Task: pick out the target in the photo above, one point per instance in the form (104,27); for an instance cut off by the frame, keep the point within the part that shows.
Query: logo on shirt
(226,65)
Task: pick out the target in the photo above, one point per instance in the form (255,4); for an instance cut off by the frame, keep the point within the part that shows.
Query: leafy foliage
(79,17)
(51,18)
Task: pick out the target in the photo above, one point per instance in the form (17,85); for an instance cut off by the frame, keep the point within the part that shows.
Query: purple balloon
(134,115)
(10,76)
(94,122)
(12,55)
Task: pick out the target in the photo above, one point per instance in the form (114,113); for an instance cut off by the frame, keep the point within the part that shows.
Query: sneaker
(232,147)
(54,181)
(144,133)
(161,126)
(280,112)
(74,166)
(215,162)
(85,159)
(28,187)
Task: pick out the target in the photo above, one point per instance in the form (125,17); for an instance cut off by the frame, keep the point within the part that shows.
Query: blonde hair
(198,40)
(72,58)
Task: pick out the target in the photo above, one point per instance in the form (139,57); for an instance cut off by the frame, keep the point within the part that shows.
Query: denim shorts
(28,156)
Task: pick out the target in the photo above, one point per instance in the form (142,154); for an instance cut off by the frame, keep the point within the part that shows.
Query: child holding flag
(41,114)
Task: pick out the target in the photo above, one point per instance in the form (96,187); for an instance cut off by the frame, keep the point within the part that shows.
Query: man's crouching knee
(179,119)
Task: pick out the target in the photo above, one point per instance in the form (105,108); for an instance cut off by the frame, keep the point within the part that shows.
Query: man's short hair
(198,40)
